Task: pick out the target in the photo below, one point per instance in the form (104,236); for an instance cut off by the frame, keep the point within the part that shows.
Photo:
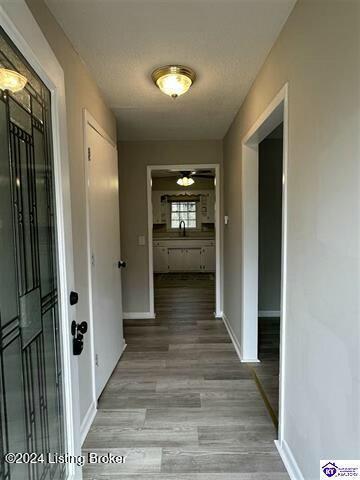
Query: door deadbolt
(78,331)
(74,298)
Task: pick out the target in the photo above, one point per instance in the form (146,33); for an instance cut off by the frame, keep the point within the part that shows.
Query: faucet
(184,230)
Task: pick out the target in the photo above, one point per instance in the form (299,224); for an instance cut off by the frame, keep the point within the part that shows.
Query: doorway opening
(184,237)
(269,279)
(264,202)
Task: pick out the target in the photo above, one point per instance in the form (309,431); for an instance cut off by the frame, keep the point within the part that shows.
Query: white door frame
(216,167)
(89,120)
(273,115)
(18,22)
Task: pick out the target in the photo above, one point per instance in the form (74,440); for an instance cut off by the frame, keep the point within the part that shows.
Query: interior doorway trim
(19,24)
(218,282)
(273,115)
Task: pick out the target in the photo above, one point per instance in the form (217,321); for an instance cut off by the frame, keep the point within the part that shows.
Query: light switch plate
(141,240)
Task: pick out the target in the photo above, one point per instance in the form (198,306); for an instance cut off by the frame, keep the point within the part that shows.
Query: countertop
(156,239)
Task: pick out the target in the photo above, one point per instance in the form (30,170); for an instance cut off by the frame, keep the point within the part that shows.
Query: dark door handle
(78,331)
(121,264)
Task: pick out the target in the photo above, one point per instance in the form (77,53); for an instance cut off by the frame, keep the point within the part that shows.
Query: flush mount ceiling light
(11,80)
(174,80)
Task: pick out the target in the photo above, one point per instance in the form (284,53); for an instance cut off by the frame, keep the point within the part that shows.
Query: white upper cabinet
(207,207)
(159,208)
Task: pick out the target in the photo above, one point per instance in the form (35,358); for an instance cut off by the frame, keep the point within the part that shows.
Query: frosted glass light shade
(11,80)
(173,80)
(185,181)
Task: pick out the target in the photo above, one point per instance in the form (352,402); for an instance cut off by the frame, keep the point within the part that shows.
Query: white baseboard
(90,414)
(236,343)
(269,313)
(124,347)
(87,421)
(289,460)
(138,315)
(232,336)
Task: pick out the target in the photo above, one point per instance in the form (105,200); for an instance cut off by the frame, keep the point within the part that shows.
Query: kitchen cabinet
(175,259)
(184,256)
(207,208)
(159,208)
(192,260)
(208,259)
(160,257)
(184,259)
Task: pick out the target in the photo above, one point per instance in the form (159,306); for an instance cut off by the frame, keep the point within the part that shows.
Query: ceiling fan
(187,176)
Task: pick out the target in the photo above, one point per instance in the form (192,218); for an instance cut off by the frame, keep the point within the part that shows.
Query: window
(185,211)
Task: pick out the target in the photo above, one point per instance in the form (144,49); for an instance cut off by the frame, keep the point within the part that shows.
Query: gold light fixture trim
(11,80)
(173,80)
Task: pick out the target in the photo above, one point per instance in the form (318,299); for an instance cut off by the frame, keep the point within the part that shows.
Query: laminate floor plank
(207,459)
(215,417)
(111,437)
(180,405)
(197,385)
(145,399)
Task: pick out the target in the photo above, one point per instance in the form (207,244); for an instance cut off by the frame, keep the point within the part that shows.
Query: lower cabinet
(160,259)
(208,256)
(188,259)
(184,259)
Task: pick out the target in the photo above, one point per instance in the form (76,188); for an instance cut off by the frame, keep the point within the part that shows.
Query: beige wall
(134,157)
(318,54)
(81,92)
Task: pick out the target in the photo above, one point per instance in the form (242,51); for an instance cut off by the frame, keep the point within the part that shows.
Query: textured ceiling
(122,41)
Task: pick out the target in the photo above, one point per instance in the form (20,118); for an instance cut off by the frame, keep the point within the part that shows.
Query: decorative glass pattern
(31,391)
(183,211)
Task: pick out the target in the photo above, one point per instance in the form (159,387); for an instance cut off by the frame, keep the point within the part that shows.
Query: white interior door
(103,195)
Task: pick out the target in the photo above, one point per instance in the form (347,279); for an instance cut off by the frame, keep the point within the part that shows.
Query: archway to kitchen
(184,226)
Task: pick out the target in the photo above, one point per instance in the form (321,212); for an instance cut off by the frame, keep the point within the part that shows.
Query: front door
(31,407)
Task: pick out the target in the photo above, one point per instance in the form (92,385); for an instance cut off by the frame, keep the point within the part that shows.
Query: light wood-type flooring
(179,404)
(267,371)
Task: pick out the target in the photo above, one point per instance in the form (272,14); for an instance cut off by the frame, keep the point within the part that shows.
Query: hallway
(179,404)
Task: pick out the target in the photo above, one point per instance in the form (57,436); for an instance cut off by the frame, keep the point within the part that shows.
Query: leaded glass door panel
(31,411)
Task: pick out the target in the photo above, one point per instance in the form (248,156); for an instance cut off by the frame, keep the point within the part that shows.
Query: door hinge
(92,260)
(96,359)
(89,154)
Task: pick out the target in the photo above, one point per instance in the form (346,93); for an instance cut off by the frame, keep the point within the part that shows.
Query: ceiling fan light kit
(185,181)
(187,177)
